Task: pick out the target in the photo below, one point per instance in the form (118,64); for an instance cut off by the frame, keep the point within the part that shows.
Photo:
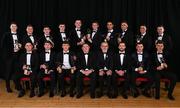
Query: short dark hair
(159,42)
(139,43)
(66,42)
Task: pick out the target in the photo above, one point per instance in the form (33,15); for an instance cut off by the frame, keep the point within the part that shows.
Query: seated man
(28,66)
(162,70)
(86,68)
(122,69)
(66,68)
(47,61)
(141,68)
(105,68)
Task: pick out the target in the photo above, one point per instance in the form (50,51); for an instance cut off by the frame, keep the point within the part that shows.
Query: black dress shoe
(51,94)
(32,94)
(40,94)
(99,94)
(9,90)
(146,94)
(21,93)
(63,93)
(79,95)
(71,94)
(92,95)
(171,97)
(136,94)
(124,96)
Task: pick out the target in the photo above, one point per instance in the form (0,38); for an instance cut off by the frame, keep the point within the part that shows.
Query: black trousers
(125,85)
(41,75)
(80,77)
(33,79)
(105,79)
(61,79)
(165,74)
(11,68)
(136,75)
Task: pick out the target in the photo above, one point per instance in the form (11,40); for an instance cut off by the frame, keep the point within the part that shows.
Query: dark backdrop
(136,12)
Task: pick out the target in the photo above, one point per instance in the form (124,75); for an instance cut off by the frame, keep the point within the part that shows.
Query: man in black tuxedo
(94,37)
(46,37)
(122,69)
(165,38)
(105,69)
(61,37)
(47,65)
(86,68)
(30,37)
(111,37)
(126,36)
(141,68)
(145,38)
(66,60)
(10,47)
(162,70)
(77,36)
(28,67)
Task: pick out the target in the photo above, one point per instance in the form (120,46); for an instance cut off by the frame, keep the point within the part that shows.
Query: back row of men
(113,59)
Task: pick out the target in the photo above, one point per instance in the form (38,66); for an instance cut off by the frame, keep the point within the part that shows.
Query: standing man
(77,36)
(10,45)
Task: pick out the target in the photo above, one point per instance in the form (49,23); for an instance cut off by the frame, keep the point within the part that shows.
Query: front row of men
(101,68)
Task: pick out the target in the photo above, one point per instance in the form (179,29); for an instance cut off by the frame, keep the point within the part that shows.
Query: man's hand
(120,72)
(109,72)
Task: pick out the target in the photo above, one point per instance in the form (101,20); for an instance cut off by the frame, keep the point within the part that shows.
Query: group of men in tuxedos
(102,57)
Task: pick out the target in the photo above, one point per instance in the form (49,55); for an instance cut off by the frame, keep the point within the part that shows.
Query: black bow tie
(78,30)
(47,52)
(121,53)
(140,54)
(159,53)
(14,33)
(65,53)
(62,32)
(28,53)
(94,31)
(85,53)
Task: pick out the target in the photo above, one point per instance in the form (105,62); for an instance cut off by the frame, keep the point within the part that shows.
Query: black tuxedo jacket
(81,63)
(34,62)
(113,43)
(168,44)
(74,39)
(7,45)
(101,62)
(58,41)
(41,43)
(145,62)
(129,39)
(147,42)
(72,58)
(51,63)
(126,62)
(96,41)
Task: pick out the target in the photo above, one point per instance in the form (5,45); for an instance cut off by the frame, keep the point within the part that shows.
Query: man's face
(65,47)
(122,47)
(124,26)
(104,47)
(46,30)
(85,48)
(13,27)
(159,47)
(95,26)
(110,25)
(142,29)
(160,30)
(29,30)
(47,46)
(62,27)
(28,47)
(139,47)
(78,23)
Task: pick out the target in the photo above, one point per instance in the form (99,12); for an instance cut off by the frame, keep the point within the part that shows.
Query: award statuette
(17,46)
